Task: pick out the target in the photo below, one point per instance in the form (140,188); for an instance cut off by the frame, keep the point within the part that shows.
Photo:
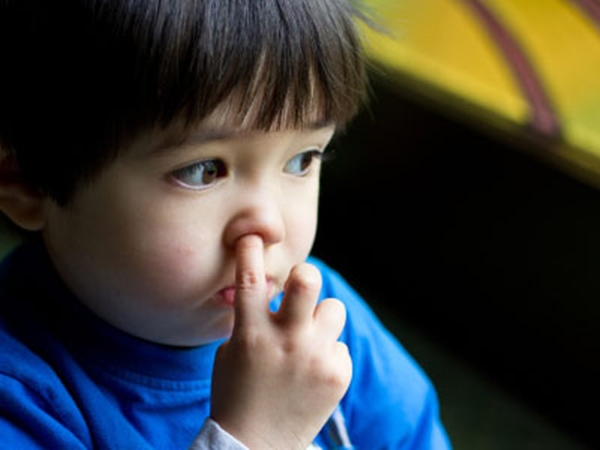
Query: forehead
(254,105)
(225,122)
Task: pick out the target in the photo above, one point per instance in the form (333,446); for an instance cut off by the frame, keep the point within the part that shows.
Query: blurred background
(464,205)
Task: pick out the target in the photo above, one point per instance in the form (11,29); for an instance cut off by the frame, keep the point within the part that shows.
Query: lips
(227,295)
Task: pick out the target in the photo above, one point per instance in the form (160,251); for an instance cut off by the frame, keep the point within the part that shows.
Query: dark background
(483,248)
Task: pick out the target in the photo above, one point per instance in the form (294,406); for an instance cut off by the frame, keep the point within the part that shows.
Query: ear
(18,200)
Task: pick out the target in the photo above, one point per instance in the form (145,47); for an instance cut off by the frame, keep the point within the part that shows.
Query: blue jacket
(71,381)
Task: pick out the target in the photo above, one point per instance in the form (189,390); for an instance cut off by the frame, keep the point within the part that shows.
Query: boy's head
(81,80)
(143,139)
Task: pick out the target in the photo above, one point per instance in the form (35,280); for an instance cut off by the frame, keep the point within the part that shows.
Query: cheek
(144,250)
(173,258)
(302,227)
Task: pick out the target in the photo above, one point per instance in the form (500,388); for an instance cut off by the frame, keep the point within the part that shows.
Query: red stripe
(543,117)
(591,8)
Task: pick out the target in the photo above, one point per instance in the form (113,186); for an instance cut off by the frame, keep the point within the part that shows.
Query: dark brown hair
(80,79)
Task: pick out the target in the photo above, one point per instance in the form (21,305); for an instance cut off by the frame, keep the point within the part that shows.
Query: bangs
(91,76)
(274,63)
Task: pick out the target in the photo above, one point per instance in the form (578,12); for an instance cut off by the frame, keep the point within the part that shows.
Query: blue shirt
(68,380)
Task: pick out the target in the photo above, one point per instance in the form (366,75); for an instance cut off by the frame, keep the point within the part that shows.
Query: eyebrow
(218,134)
(207,135)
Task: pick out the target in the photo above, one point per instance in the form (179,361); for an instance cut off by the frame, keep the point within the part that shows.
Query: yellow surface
(443,44)
(564,46)
(438,42)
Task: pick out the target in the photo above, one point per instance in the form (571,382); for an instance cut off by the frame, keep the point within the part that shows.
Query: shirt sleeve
(30,421)
(213,437)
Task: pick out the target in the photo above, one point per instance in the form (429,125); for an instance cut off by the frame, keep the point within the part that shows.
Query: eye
(201,174)
(300,164)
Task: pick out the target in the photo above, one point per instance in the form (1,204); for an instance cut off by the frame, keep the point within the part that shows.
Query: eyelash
(308,157)
(210,170)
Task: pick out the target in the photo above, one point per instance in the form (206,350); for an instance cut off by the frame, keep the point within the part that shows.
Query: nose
(256,212)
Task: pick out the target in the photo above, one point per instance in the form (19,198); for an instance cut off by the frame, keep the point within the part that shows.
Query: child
(164,156)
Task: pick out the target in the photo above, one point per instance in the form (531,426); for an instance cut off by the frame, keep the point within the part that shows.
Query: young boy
(164,157)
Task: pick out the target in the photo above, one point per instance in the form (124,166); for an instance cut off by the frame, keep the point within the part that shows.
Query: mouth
(226,296)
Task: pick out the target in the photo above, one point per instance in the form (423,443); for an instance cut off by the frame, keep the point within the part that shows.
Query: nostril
(265,222)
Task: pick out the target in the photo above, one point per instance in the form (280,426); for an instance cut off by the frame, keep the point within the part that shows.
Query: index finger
(251,296)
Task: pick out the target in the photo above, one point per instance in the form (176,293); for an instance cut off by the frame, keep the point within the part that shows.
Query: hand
(279,377)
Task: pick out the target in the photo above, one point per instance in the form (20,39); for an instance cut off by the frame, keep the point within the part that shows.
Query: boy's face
(150,244)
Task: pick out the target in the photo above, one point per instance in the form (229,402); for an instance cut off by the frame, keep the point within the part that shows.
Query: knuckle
(343,353)
(250,340)
(247,279)
(290,348)
(296,344)
(335,373)
(335,381)
(344,361)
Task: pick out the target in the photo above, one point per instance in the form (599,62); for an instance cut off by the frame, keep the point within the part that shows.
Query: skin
(279,377)
(152,254)
(180,251)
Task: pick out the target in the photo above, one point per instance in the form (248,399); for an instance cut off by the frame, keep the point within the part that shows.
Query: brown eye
(200,175)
